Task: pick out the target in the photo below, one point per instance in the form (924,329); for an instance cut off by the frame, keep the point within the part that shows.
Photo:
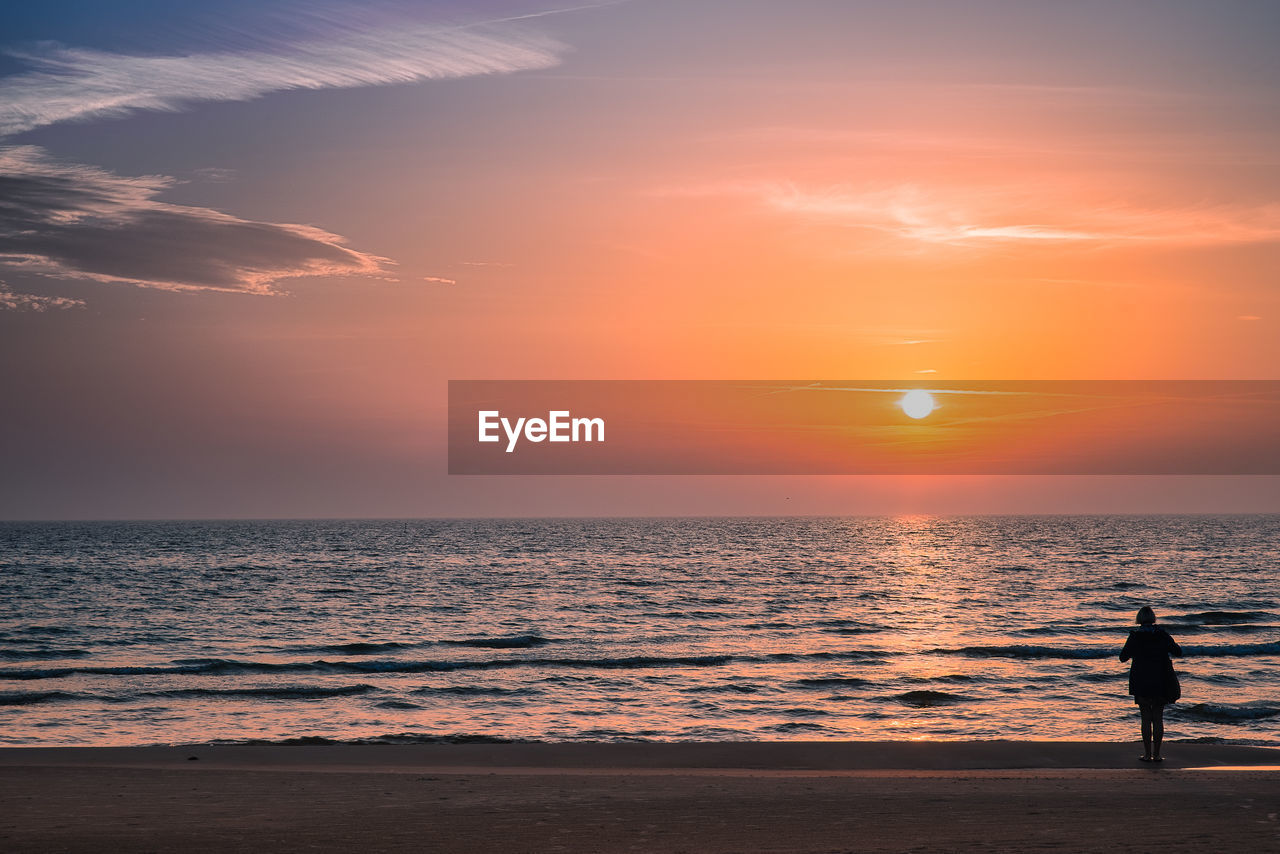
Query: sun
(917,403)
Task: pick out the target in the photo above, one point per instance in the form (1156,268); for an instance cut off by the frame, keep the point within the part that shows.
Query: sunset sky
(245,245)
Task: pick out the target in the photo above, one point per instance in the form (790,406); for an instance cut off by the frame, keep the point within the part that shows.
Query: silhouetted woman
(1152,681)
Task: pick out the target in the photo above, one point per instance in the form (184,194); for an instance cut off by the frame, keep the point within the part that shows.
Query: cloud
(76,84)
(79,221)
(981,215)
(10,301)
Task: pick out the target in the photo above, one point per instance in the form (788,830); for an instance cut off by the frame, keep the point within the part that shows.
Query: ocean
(918,627)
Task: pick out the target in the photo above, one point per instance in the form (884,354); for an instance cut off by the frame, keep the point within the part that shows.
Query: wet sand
(811,797)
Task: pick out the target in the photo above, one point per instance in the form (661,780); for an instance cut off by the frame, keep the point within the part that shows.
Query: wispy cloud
(10,301)
(981,215)
(79,221)
(75,84)
(82,221)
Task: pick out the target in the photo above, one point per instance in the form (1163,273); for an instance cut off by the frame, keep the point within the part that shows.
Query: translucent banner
(863,427)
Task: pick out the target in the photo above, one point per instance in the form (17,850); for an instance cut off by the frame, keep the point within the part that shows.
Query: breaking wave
(224,666)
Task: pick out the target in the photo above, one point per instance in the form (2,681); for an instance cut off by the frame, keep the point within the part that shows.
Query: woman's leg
(1157,729)
(1147,717)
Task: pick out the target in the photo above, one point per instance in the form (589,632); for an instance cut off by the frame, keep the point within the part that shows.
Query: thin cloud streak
(76,84)
(981,216)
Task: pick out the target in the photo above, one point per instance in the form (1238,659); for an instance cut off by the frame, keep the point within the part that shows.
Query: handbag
(1172,687)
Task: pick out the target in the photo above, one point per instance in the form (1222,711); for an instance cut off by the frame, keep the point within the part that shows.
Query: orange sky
(642,191)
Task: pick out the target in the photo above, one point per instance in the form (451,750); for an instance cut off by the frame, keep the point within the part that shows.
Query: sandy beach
(713,797)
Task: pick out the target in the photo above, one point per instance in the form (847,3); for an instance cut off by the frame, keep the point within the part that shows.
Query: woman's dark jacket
(1151,674)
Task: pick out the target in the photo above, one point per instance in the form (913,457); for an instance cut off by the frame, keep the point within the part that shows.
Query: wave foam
(1226,713)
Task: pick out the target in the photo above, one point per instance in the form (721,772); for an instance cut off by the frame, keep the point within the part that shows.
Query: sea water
(915,627)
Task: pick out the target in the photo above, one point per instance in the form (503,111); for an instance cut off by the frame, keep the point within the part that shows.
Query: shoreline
(624,757)
(669,797)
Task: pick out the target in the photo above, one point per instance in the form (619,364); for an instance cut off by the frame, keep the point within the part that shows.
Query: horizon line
(635,516)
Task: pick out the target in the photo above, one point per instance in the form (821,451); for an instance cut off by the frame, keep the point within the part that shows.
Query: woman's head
(1146,616)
